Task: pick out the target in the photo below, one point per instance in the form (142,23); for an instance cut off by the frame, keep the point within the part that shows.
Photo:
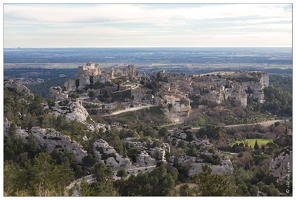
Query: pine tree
(256,146)
(210,184)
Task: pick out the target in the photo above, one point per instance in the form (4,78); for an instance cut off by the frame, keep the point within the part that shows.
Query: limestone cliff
(281,166)
(57,93)
(225,168)
(145,160)
(104,153)
(71,109)
(195,162)
(49,139)
(177,91)
(18,87)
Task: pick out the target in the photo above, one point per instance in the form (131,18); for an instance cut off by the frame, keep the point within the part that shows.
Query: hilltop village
(96,93)
(175,93)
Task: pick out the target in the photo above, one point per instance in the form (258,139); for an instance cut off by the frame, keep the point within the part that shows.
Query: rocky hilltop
(73,110)
(48,139)
(206,154)
(18,87)
(177,92)
(92,73)
(281,166)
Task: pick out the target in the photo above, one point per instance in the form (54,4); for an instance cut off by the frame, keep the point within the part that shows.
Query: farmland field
(251,142)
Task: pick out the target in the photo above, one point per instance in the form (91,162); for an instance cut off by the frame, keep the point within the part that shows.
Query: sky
(147,25)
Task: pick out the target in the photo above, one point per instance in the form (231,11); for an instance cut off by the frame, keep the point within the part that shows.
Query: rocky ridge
(195,162)
(281,166)
(18,87)
(49,139)
(73,110)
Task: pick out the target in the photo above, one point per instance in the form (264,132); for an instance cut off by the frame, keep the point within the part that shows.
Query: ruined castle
(92,73)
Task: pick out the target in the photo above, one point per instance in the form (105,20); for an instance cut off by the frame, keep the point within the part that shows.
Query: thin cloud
(145,24)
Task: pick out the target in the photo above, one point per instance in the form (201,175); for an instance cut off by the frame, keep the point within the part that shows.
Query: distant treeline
(41,73)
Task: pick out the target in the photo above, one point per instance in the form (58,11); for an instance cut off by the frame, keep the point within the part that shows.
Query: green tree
(86,190)
(77,83)
(11,179)
(46,178)
(210,184)
(92,94)
(88,160)
(184,190)
(32,146)
(12,129)
(122,173)
(101,173)
(256,146)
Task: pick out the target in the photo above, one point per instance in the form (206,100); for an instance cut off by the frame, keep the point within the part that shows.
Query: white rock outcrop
(145,160)
(18,87)
(57,93)
(53,139)
(281,166)
(103,152)
(49,139)
(225,168)
(72,110)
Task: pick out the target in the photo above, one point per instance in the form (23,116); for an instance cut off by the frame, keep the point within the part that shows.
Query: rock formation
(177,90)
(57,93)
(225,168)
(91,73)
(104,153)
(281,166)
(145,160)
(195,162)
(49,139)
(129,71)
(18,87)
(73,110)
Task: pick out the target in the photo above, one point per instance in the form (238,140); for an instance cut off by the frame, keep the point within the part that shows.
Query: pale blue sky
(147,25)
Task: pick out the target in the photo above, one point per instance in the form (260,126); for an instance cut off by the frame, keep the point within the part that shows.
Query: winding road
(265,124)
(129,110)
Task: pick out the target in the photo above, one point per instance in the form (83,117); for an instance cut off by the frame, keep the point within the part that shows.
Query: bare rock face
(102,78)
(49,139)
(18,87)
(84,80)
(19,132)
(107,154)
(225,168)
(214,87)
(70,85)
(281,166)
(72,110)
(53,139)
(145,160)
(57,93)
